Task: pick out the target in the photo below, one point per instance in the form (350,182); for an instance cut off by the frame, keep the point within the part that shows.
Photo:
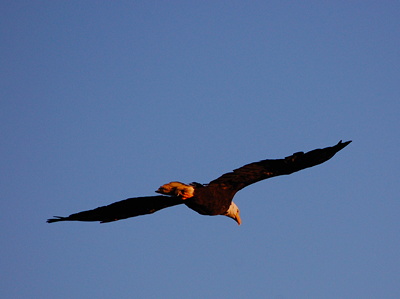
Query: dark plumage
(214,198)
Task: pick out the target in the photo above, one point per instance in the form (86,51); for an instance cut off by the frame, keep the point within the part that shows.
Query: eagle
(214,198)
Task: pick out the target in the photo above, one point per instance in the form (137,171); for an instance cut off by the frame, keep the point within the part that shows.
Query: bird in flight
(214,198)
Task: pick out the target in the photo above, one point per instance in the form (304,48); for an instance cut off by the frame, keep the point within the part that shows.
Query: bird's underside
(214,198)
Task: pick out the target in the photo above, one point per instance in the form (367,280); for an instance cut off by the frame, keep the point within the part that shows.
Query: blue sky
(101,101)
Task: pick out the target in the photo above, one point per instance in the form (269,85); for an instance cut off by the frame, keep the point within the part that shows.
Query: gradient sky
(104,100)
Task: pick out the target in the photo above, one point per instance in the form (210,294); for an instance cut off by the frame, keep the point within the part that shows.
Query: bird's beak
(238,220)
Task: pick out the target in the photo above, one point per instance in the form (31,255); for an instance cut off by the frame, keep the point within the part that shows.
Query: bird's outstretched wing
(123,209)
(257,171)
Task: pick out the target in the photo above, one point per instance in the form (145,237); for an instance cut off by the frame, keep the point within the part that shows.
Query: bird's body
(210,200)
(214,198)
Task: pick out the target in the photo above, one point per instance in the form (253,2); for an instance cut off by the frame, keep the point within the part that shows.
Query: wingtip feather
(342,144)
(56,219)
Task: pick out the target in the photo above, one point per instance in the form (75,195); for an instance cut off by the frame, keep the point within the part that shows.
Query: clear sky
(105,100)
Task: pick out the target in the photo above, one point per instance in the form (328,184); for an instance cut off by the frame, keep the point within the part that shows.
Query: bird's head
(234,213)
